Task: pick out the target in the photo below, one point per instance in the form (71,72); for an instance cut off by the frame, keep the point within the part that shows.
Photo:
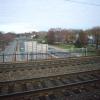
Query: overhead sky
(39,15)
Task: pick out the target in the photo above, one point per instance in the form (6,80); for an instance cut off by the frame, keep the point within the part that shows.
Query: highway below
(23,49)
(8,52)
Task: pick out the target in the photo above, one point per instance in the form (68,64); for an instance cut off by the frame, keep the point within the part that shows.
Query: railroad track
(58,87)
(36,69)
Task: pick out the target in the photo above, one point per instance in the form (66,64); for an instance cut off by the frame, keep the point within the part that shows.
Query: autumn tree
(1,40)
(82,40)
(50,37)
(70,36)
(96,33)
(5,38)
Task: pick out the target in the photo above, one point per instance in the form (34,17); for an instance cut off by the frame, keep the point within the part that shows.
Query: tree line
(5,38)
(80,38)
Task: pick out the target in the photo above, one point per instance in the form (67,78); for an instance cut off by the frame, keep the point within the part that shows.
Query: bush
(98,52)
(78,44)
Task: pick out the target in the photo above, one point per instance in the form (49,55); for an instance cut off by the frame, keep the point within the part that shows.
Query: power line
(82,2)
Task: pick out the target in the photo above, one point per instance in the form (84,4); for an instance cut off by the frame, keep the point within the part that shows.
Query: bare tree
(50,37)
(96,33)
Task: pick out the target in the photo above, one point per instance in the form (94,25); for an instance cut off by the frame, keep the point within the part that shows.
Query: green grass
(65,46)
(91,50)
(91,53)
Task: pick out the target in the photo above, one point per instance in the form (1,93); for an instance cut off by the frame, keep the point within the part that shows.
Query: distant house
(91,39)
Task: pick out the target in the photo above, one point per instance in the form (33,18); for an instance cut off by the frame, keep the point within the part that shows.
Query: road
(12,49)
(33,51)
(9,50)
(63,53)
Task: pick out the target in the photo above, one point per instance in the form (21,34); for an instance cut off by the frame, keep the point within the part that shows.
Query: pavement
(63,53)
(10,49)
(18,48)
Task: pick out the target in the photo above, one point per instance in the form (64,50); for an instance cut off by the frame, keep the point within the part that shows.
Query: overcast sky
(39,15)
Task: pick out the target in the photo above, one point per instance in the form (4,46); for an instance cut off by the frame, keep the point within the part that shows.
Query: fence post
(70,52)
(27,57)
(15,57)
(3,57)
(85,51)
(82,51)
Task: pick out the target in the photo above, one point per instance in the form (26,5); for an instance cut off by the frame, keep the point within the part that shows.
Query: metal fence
(25,57)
